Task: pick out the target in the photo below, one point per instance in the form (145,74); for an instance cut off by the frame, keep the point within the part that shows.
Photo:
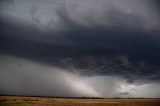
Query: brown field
(40,101)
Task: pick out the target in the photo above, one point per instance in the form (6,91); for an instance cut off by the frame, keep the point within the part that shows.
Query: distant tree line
(80,97)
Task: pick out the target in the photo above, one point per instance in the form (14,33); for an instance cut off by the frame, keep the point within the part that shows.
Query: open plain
(43,101)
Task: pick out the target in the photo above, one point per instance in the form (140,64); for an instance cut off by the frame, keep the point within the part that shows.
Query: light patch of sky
(147,90)
(84,88)
(114,86)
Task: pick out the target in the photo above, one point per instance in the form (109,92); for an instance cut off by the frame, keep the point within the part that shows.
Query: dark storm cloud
(98,50)
(115,41)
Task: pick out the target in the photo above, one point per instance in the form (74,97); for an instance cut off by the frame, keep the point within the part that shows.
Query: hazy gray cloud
(114,13)
(25,77)
(140,15)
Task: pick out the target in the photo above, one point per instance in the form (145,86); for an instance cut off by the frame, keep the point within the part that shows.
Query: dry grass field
(40,101)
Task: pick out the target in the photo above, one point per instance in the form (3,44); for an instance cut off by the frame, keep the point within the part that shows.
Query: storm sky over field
(78,48)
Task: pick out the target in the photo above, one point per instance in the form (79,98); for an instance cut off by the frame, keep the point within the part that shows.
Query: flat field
(42,101)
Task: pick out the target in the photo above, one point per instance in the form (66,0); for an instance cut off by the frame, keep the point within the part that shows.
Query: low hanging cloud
(35,79)
(23,77)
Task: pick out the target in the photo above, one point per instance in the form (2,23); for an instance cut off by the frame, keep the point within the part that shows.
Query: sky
(80,48)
